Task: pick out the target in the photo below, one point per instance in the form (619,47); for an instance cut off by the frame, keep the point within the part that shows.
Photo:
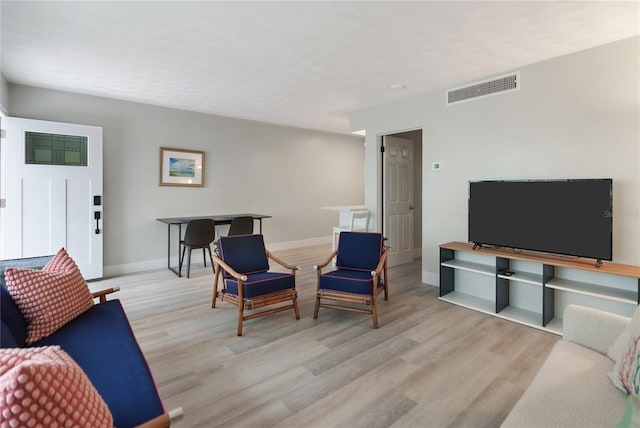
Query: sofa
(573,387)
(101,342)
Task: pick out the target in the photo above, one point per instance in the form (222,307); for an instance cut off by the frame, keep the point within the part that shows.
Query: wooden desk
(179,221)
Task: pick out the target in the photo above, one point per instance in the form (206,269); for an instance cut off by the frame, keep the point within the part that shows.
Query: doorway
(52,184)
(401,186)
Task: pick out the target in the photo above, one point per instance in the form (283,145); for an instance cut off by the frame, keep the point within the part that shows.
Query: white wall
(4,93)
(576,116)
(288,173)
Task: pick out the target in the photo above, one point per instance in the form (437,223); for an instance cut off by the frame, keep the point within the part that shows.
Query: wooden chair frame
(165,420)
(253,302)
(352,298)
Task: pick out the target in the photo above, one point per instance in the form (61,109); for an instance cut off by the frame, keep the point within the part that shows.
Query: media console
(532,288)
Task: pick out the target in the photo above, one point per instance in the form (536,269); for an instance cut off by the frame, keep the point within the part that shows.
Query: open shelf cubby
(531,288)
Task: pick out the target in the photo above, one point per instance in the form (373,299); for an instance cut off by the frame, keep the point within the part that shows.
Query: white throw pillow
(623,344)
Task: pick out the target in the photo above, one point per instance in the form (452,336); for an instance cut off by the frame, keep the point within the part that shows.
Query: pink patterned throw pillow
(51,297)
(45,387)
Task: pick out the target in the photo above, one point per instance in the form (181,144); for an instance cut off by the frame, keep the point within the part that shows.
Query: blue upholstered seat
(14,326)
(348,281)
(360,275)
(101,341)
(259,284)
(243,263)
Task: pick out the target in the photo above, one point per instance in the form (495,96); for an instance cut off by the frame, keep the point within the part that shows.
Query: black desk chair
(241,226)
(200,233)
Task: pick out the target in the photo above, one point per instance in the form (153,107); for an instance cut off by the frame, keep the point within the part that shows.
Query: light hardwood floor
(430,364)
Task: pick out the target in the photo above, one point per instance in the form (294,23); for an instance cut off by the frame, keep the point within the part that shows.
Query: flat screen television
(568,217)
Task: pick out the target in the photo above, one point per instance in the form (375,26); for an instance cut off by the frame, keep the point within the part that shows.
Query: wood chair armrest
(281,262)
(229,269)
(326,262)
(164,420)
(381,263)
(102,294)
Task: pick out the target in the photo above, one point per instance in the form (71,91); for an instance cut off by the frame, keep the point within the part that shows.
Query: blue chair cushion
(260,284)
(347,281)
(359,250)
(246,254)
(12,322)
(102,343)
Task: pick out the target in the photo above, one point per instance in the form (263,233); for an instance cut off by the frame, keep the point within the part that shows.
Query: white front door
(398,199)
(53,193)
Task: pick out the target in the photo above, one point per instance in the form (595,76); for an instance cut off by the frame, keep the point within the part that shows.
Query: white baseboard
(127,268)
(430,278)
(116,270)
(279,246)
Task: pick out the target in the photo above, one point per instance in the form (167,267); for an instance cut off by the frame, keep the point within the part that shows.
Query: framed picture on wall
(181,167)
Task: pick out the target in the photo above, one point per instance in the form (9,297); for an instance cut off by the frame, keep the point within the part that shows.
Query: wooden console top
(549,259)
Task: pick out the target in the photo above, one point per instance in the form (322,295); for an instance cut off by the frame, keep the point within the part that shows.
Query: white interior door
(398,198)
(54,192)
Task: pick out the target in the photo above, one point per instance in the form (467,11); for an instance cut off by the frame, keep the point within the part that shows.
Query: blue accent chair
(243,263)
(361,274)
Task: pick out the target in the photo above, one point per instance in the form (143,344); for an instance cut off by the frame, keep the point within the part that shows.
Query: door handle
(410,207)
(96,216)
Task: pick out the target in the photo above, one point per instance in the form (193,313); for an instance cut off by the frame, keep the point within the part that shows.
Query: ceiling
(303,64)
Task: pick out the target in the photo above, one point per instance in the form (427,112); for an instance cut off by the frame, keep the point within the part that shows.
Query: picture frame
(182,167)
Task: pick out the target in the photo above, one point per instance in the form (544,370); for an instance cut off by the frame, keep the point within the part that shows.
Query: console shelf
(526,277)
(595,290)
(526,284)
(470,266)
(469,301)
(521,316)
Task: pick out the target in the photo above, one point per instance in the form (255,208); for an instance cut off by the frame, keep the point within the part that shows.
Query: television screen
(569,217)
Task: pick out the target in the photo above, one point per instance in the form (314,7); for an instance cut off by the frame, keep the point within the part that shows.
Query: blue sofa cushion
(102,343)
(6,337)
(348,281)
(14,326)
(359,250)
(259,284)
(12,322)
(246,254)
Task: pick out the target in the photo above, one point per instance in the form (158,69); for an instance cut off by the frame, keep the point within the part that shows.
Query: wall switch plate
(436,166)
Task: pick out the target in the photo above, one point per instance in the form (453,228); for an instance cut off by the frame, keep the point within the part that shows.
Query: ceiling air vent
(510,82)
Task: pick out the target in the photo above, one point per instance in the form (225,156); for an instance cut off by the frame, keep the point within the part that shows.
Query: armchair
(361,274)
(243,262)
